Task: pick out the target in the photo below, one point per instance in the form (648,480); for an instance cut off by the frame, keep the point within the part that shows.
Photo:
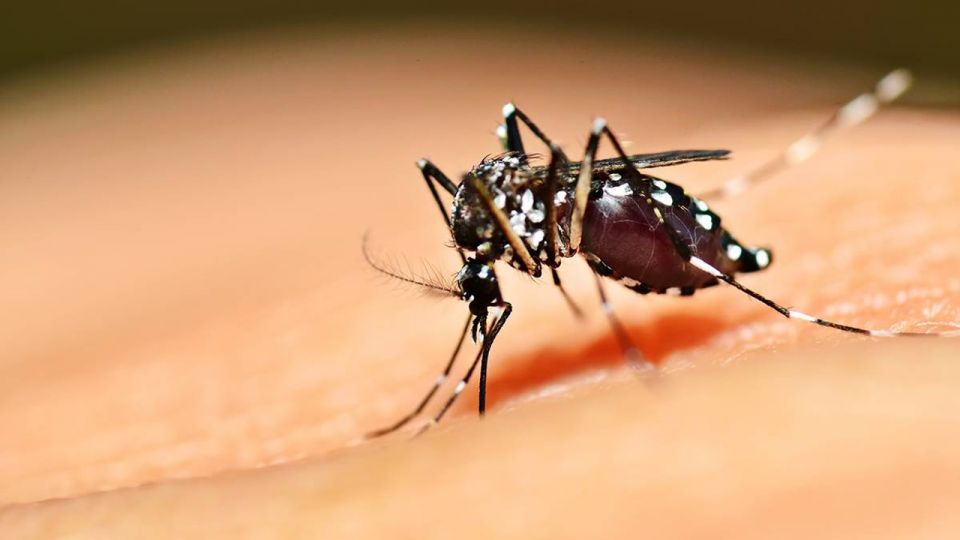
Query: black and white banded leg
(433,175)
(482,358)
(630,351)
(684,251)
(799,315)
(582,190)
(509,133)
(855,112)
(442,378)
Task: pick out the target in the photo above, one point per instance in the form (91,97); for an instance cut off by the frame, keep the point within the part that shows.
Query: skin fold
(193,345)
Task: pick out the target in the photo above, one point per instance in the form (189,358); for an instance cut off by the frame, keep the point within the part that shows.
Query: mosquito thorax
(515,189)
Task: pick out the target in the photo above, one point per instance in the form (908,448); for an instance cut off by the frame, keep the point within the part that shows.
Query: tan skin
(186,300)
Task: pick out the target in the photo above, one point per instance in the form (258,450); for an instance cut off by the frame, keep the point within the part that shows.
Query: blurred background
(184,187)
(921,34)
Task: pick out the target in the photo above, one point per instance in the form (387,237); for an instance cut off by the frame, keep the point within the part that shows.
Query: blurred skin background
(192,345)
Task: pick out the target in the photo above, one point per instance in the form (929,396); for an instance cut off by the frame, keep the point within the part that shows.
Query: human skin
(188,317)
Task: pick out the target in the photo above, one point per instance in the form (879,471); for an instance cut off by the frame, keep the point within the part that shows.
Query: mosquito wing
(659,159)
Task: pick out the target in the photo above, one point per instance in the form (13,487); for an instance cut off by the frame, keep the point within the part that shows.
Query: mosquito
(634,228)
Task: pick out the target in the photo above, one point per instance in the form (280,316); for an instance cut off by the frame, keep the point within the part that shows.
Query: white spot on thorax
(535,238)
(500,199)
(537,215)
(518,222)
(526,201)
(560,197)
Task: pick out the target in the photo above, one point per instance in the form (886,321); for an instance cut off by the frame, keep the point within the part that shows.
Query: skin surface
(187,314)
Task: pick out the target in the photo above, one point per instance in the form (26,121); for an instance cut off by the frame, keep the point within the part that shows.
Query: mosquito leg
(481,359)
(485,352)
(453,397)
(510,132)
(799,315)
(550,226)
(630,351)
(577,312)
(582,188)
(856,111)
(585,179)
(429,395)
(433,175)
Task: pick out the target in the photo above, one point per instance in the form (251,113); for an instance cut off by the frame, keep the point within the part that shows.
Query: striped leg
(799,315)
(432,174)
(685,253)
(630,351)
(429,395)
(482,358)
(509,133)
(858,110)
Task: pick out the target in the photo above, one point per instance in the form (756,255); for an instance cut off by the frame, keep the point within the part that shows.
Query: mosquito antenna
(856,111)
(433,283)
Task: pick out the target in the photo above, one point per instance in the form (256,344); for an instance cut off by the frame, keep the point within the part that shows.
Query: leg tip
(509,109)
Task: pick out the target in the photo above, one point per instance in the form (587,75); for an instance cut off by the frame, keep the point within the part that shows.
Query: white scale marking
(736,186)
(702,265)
(763,258)
(662,197)
(802,149)
(858,110)
(734,252)
(894,85)
(526,201)
(620,190)
(705,221)
(794,314)
(598,125)
(536,238)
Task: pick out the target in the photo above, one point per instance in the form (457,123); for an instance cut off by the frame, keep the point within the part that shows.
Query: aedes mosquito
(631,227)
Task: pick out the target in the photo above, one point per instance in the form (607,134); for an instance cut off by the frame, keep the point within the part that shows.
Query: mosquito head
(478,286)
